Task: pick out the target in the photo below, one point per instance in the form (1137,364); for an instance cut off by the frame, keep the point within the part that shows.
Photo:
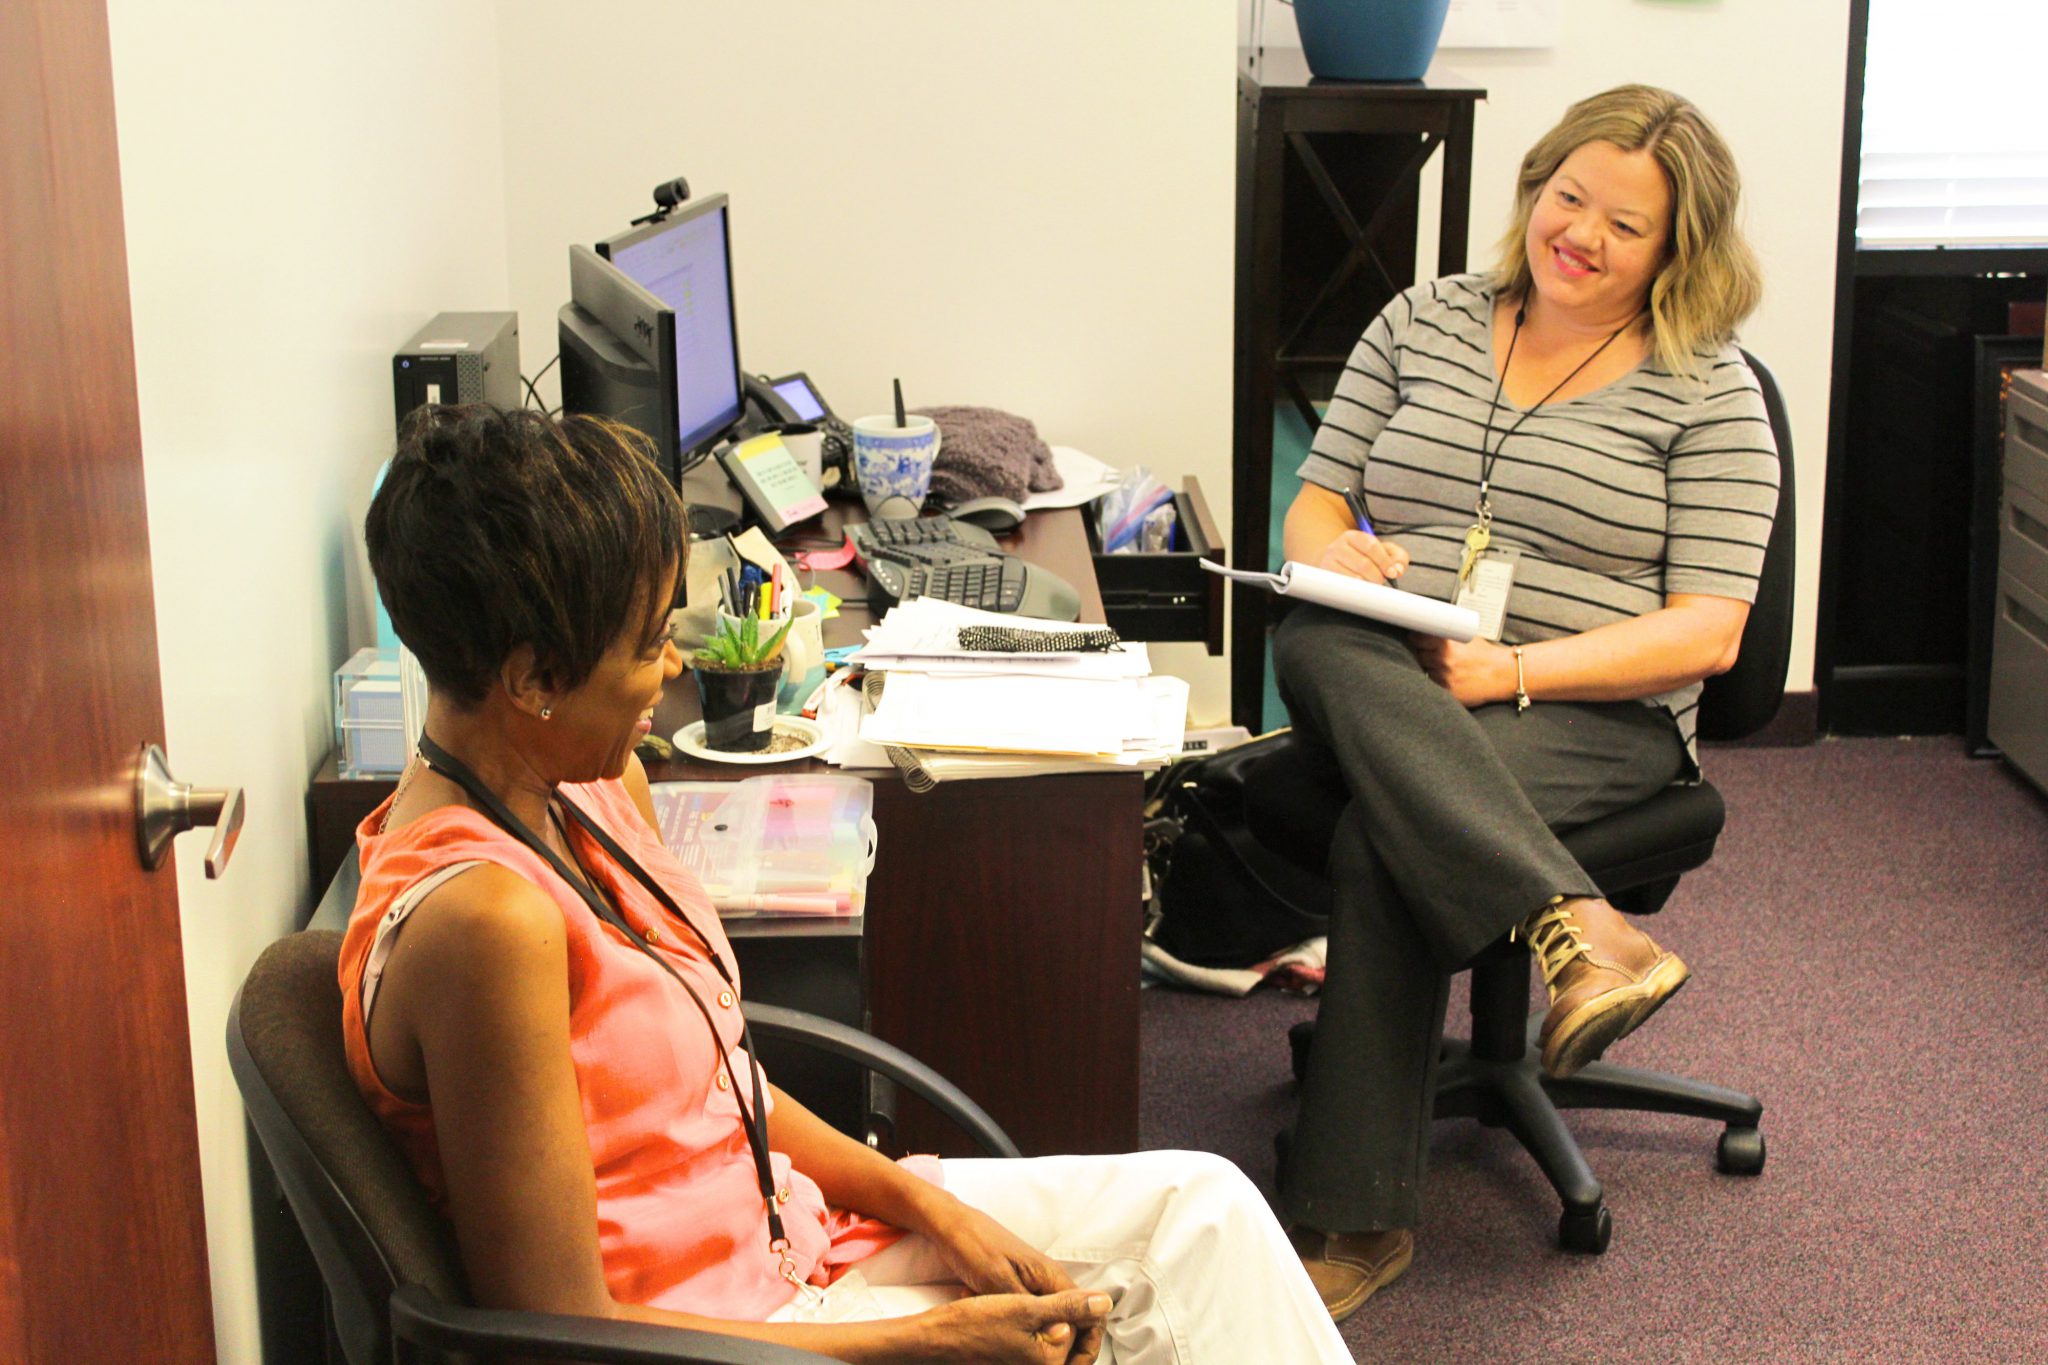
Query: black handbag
(1225,900)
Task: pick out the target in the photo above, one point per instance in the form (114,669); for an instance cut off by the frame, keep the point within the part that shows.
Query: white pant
(1200,1272)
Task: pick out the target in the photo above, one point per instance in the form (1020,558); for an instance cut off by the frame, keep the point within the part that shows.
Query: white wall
(1770,75)
(301,193)
(1019,203)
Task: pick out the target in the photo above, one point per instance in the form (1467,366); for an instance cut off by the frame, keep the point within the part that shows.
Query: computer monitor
(618,353)
(685,260)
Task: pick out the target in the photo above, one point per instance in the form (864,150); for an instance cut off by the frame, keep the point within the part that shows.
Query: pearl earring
(547,713)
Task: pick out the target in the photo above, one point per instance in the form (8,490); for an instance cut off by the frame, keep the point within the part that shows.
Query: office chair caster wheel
(1300,1039)
(1585,1233)
(1741,1152)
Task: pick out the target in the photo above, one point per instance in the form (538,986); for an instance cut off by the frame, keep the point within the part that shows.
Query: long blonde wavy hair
(1709,281)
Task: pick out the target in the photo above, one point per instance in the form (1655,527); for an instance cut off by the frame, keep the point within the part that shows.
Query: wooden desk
(1002,915)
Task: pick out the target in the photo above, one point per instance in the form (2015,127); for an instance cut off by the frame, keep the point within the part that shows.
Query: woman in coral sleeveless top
(541,1008)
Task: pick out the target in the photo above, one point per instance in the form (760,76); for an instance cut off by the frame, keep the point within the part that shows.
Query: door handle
(166,808)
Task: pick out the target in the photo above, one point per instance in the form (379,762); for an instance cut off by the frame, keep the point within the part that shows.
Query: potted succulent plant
(738,669)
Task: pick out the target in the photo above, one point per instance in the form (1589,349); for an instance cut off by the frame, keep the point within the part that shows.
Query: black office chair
(394,1280)
(1636,857)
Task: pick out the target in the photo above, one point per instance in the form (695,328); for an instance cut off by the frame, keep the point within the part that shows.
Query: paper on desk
(840,714)
(923,634)
(1084,479)
(1118,719)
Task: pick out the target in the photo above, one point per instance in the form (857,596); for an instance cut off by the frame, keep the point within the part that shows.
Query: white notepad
(1408,610)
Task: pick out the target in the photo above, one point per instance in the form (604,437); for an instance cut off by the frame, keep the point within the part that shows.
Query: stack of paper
(961,713)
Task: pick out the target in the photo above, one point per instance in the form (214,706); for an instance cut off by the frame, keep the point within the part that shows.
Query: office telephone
(794,398)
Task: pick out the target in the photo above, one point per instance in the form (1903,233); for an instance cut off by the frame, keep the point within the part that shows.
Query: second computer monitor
(685,260)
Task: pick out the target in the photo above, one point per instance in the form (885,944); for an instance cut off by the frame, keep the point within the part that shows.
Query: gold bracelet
(1521,688)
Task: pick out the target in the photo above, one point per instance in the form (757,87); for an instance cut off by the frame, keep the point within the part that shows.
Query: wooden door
(102,1235)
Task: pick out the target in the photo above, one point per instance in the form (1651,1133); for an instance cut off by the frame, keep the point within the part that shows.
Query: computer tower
(459,358)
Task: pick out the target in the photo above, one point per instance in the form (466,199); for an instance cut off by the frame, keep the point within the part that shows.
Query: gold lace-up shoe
(1347,1268)
(1604,975)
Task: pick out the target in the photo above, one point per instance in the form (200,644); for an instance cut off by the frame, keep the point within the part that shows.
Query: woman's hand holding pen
(1360,554)
(1357,552)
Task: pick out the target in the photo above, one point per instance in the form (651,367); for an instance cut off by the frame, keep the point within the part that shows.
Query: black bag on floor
(1225,900)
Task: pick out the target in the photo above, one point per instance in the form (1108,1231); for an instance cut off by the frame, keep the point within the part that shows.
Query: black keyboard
(955,562)
(999,583)
(886,534)
(934,553)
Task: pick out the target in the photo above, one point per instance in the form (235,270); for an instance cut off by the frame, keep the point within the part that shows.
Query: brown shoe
(1348,1267)
(1605,978)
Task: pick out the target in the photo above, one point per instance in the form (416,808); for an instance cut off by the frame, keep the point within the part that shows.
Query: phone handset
(794,398)
(765,407)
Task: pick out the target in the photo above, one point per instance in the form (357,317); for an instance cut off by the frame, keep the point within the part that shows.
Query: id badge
(1485,589)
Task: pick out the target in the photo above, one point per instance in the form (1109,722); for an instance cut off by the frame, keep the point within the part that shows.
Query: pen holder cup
(739,706)
(804,648)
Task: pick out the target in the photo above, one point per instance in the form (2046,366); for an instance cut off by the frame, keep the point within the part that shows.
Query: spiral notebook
(1408,610)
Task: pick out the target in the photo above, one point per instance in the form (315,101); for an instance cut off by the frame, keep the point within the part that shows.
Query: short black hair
(494,529)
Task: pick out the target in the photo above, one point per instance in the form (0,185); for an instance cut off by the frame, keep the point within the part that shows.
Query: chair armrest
(810,1030)
(420,1318)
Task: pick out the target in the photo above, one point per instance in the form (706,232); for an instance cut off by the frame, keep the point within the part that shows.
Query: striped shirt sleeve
(1366,395)
(1722,488)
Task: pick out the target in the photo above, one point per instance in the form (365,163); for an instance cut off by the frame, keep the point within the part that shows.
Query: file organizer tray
(1165,595)
(782,844)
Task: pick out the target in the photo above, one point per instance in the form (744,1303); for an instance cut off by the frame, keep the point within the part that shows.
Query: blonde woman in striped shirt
(1580,422)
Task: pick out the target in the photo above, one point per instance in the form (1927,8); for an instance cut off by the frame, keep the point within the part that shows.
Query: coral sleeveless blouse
(680,1220)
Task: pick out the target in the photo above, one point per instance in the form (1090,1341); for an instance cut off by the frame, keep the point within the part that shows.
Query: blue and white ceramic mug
(893,464)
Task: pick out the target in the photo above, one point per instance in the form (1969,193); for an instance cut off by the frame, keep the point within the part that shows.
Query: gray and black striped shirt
(1653,484)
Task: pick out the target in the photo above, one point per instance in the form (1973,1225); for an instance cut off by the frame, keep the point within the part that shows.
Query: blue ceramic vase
(1370,40)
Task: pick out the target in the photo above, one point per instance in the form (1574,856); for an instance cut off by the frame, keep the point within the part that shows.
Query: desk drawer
(2026,440)
(1166,595)
(2018,722)
(2023,539)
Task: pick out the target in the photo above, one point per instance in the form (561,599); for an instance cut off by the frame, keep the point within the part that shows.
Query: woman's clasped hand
(1475,671)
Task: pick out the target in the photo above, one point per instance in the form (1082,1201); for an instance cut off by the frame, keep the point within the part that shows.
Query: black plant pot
(739,707)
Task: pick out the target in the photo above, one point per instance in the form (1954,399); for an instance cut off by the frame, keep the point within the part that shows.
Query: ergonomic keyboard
(885,534)
(955,562)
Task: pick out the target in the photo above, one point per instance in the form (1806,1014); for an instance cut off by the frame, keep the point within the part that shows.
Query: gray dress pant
(1447,843)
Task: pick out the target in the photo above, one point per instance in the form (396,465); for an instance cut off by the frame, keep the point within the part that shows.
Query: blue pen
(1357,505)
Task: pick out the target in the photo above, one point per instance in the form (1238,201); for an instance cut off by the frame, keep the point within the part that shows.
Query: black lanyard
(1486,457)
(756,1122)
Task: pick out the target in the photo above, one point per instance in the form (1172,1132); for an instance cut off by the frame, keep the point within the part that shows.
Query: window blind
(1955,124)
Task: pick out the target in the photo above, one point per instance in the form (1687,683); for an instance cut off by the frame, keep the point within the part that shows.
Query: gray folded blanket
(984,452)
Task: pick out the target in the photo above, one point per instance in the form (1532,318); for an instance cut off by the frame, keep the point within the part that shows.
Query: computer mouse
(992,513)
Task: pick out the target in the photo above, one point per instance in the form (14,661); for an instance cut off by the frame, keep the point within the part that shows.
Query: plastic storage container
(796,844)
(369,715)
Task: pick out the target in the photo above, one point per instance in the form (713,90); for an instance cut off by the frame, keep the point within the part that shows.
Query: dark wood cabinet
(1328,198)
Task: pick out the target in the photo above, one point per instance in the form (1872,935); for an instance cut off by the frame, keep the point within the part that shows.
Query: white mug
(804,646)
(893,464)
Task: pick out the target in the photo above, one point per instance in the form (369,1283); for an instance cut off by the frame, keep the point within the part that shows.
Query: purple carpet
(1870,958)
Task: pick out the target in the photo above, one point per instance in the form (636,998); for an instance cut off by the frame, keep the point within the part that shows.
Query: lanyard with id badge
(1486,572)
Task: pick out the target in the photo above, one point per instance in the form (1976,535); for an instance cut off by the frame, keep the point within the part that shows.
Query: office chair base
(1512,1092)
(1741,1151)
(1586,1234)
